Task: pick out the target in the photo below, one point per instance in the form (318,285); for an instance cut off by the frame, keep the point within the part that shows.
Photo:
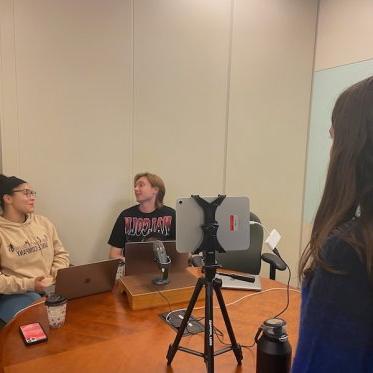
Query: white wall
(345,32)
(213,95)
(181,59)
(66,112)
(272,64)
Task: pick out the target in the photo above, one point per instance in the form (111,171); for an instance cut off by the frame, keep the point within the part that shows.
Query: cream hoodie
(29,250)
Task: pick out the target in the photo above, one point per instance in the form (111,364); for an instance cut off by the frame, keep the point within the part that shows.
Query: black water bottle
(273,348)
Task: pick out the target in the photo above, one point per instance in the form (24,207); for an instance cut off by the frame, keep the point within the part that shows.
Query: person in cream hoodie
(30,251)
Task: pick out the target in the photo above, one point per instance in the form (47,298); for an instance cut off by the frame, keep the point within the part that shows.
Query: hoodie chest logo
(29,246)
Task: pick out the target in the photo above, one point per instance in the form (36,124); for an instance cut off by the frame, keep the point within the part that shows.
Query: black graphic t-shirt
(133,225)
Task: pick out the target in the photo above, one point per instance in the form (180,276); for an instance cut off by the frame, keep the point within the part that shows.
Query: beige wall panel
(181,60)
(82,111)
(8,89)
(345,32)
(73,64)
(272,61)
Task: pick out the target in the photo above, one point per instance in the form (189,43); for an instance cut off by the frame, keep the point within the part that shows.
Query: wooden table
(102,334)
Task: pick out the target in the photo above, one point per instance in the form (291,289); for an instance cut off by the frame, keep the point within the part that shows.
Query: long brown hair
(349,181)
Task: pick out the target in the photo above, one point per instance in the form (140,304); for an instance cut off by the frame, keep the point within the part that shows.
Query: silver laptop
(233,217)
(87,279)
(232,283)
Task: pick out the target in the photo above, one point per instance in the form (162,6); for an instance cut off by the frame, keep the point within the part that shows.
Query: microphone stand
(164,279)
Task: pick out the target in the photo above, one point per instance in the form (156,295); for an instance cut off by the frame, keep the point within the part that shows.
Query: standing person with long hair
(150,218)
(30,250)
(336,269)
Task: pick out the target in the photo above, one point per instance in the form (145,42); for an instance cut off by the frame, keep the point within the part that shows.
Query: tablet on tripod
(207,226)
(232,215)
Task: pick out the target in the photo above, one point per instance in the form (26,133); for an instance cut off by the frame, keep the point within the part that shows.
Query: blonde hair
(156,182)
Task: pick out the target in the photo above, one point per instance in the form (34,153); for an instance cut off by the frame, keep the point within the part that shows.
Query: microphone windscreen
(160,254)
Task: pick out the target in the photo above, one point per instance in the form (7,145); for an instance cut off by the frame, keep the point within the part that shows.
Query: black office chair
(248,261)
(274,263)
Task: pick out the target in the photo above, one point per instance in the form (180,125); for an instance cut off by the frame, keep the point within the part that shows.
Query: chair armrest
(274,260)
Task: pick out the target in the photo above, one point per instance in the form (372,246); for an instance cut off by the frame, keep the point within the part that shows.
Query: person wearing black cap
(30,251)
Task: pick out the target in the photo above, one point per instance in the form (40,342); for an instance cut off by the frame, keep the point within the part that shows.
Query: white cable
(252,222)
(261,292)
(168,315)
(236,301)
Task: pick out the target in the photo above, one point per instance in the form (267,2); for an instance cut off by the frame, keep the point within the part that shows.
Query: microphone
(163,260)
(160,254)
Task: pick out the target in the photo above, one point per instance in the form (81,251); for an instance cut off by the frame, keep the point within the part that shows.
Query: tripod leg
(173,348)
(209,328)
(235,347)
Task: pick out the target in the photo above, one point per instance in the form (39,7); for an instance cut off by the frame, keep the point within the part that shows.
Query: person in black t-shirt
(149,219)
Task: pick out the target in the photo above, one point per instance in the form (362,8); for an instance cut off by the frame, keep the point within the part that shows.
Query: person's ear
(7,198)
(156,189)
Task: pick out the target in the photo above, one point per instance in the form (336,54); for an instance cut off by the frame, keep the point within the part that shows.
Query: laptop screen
(87,279)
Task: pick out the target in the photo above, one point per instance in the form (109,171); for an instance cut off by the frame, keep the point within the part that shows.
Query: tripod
(211,284)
